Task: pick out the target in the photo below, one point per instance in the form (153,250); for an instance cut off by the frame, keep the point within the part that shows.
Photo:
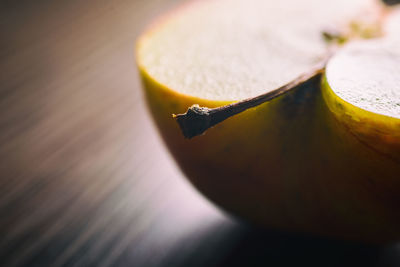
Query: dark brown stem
(198,119)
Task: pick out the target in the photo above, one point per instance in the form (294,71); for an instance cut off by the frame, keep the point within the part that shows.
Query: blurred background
(84,177)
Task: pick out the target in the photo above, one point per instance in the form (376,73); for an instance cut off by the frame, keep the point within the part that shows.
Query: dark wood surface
(84,177)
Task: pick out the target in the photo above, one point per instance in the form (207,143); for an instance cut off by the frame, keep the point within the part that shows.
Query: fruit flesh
(364,74)
(288,164)
(219,50)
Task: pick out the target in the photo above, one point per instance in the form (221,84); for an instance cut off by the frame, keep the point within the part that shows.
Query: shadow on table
(263,248)
(256,247)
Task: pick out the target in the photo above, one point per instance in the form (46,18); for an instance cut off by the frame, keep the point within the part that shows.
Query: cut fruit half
(297,162)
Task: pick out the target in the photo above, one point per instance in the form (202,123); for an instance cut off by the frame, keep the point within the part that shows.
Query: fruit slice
(288,163)
(362,88)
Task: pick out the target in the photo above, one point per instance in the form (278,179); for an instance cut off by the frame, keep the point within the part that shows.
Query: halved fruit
(291,163)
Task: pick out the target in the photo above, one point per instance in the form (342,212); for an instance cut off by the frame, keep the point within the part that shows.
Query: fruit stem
(198,119)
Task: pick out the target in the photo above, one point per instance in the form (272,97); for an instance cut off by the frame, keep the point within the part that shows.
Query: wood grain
(84,177)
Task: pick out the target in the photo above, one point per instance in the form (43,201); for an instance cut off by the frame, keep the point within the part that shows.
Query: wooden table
(84,177)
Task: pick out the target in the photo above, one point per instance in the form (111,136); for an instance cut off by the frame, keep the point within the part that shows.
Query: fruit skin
(288,164)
